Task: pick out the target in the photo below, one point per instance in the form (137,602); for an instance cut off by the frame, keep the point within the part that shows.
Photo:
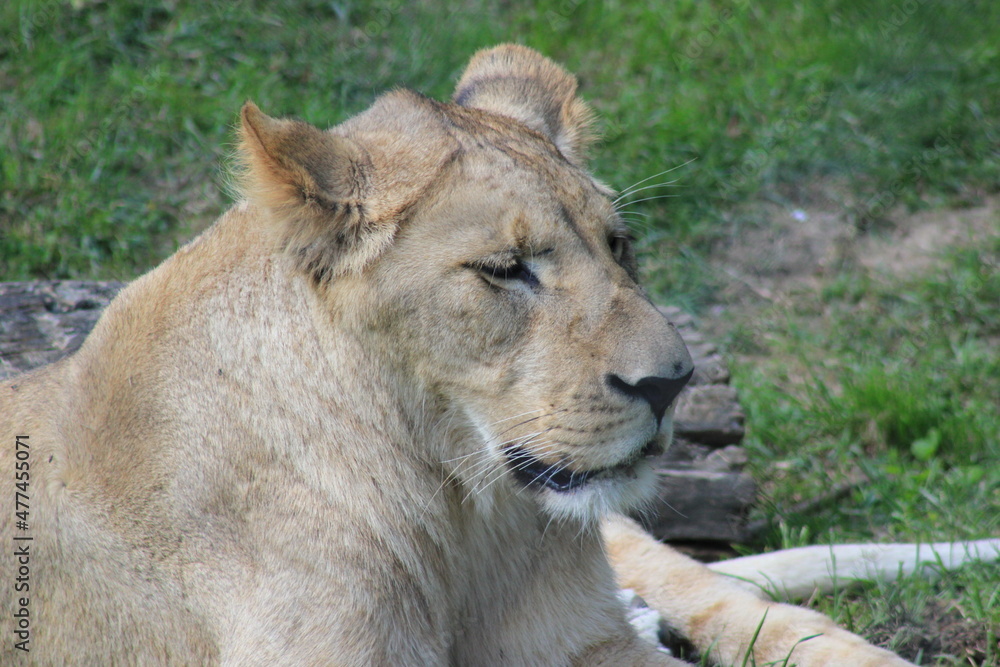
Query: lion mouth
(535,473)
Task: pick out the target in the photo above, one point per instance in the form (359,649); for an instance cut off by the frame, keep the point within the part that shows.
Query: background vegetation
(116,119)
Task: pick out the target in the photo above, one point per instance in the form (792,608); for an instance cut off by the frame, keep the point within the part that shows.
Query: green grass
(892,379)
(116,121)
(116,116)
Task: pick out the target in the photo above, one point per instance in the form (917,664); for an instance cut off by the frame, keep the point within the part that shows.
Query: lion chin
(626,488)
(585,495)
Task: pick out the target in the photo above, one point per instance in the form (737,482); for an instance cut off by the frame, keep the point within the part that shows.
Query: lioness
(375,415)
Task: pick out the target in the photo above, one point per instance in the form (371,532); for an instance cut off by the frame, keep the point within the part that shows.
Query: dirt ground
(940,630)
(796,248)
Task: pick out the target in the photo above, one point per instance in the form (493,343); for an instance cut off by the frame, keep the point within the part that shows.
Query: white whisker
(526,421)
(639,201)
(505,419)
(631,188)
(664,184)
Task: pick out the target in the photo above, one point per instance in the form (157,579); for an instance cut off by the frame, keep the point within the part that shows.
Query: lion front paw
(796,636)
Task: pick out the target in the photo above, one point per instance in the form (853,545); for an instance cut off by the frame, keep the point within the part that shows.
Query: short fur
(297,441)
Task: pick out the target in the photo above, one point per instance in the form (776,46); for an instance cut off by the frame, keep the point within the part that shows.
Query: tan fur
(721,617)
(291,442)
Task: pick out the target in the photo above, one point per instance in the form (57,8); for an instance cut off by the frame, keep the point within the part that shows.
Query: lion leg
(721,618)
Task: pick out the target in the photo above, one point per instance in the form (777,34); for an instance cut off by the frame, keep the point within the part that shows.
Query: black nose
(658,392)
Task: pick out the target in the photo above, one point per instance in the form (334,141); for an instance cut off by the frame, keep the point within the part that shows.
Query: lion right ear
(314,184)
(520,83)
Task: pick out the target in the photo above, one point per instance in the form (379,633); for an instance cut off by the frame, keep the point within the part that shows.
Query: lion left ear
(295,167)
(518,82)
(315,185)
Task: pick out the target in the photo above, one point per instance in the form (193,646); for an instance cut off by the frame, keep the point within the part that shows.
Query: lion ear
(521,83)
(314,185)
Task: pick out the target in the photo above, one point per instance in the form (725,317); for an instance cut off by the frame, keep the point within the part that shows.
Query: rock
(701,505)
(711,369)
(709,414)
(41,322)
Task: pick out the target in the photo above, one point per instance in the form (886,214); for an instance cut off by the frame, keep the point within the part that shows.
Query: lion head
(488,274)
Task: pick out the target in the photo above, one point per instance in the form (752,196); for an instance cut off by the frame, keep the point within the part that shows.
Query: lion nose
(659,392)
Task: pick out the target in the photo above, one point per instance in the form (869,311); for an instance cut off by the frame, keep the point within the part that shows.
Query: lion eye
(504,275)
(617,244)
